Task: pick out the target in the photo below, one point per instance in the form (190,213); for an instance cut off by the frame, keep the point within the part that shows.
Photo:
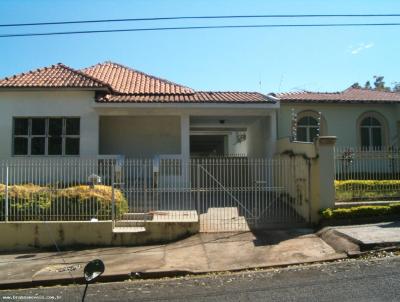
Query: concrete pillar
(185,148)
(271,136)
(326,170)
(185,137)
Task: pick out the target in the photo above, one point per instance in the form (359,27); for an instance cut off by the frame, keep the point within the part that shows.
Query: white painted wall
(235,147)
(61,103)
(257,137)
(341,119)
(140,136)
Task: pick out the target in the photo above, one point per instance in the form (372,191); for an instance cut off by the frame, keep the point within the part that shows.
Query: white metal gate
(226,194)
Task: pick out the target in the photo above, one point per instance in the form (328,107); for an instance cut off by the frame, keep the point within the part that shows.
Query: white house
(110,110)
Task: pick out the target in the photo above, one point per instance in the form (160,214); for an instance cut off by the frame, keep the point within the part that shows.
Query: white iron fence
(224,193)
(367,174)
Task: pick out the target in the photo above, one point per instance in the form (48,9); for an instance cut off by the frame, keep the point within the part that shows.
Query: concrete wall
(313,175)
(140,136)
(28,235)
(60,103)
(235,147)
(257,134)
(341,119)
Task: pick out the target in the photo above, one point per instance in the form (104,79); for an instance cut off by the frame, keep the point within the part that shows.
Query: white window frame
(370,136)
(384,128)
(308,127)
(46,136)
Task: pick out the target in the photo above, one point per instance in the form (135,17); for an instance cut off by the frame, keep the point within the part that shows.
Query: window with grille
(46,136)
(307,129)
(371,133)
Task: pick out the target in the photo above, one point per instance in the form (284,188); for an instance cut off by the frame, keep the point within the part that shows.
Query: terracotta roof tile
(196,97)
(350,95)
(123,79)
(54,76)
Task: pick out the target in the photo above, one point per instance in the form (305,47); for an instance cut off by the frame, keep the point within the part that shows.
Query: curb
(27,283)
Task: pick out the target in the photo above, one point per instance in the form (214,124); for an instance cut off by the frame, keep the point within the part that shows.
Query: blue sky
(282,59)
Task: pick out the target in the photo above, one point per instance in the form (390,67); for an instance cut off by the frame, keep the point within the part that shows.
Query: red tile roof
(126,80)
(350,95)
(54,76)
(125,85)
(196,97)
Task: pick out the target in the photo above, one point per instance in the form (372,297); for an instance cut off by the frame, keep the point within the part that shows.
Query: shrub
(347,190)
(32,202)
(360,211)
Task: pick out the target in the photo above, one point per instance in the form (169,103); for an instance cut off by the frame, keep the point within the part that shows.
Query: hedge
(32,202)
(347,190)
(361,211)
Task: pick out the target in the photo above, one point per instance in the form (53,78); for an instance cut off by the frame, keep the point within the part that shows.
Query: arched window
(371,132)
(307,129)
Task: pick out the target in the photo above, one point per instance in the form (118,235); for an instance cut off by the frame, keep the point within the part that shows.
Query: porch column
(185,137)
(271,135)
(185,148)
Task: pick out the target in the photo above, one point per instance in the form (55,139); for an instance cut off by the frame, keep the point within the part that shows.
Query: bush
(348,190)
(360,211)
(32,202)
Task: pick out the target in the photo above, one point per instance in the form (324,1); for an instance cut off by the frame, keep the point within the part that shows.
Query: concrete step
(129,230)
(130,223)
(137,216)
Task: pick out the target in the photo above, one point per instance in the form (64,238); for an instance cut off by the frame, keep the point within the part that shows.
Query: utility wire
(201,17)
(193,28)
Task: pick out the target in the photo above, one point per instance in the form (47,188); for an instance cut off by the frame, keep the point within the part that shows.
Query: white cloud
(360,47)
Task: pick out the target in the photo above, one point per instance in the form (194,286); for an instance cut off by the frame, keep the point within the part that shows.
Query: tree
(356,85)
(380,84)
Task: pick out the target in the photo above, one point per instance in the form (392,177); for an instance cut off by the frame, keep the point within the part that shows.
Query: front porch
(136,135)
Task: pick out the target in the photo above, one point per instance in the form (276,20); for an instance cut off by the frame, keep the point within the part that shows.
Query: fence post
(326,170)
(112,194)
(6,197)
(198,188)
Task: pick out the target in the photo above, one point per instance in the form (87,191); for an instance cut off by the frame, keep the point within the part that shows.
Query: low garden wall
(30,235)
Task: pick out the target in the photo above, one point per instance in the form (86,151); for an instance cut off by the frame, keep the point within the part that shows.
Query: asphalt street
(376,279)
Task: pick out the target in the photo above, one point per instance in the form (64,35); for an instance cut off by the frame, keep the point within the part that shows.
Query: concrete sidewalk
(201,253)
(354,239)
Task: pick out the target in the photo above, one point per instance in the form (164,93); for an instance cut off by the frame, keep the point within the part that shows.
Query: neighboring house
(111,109)
(358,117)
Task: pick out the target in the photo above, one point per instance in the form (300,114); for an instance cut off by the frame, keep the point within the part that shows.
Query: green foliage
(361,211)
(31,202)
(348,190)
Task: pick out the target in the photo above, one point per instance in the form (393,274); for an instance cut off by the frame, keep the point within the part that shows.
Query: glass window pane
(375,122)
(20,146)
(21,126)
(55,145)
(312,121)
(366,121)
(303,121)
(71,146)
(302,134)
(38,126)
(376,137)
(313,133)
(365,137)
(38,146)
(308,121)
(73,126)
(55,126)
